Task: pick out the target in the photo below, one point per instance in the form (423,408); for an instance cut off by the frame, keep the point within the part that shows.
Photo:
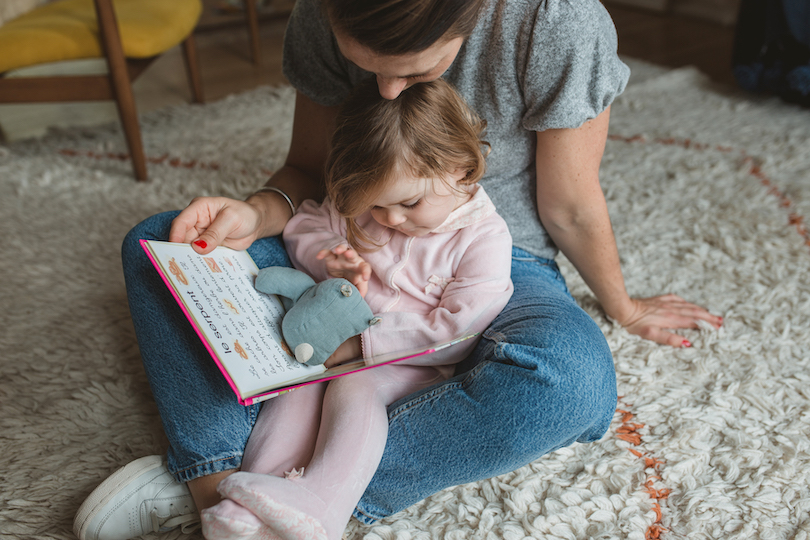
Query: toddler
(407,223)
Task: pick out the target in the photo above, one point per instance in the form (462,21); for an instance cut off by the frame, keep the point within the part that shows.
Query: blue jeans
(541,378)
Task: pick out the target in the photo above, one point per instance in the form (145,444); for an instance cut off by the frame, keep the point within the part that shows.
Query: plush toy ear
(288,283)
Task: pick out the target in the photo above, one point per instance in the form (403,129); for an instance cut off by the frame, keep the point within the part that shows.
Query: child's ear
(463,174)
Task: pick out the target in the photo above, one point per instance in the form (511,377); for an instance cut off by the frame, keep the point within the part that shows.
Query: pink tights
(336,431)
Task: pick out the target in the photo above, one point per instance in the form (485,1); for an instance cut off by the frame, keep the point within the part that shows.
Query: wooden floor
(675,41)
(227,67)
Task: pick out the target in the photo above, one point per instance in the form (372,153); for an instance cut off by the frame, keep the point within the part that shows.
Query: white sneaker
(139,498)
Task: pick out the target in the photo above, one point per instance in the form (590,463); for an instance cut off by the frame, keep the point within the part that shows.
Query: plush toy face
(320,317)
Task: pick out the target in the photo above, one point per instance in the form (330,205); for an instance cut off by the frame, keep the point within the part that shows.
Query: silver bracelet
(287,198)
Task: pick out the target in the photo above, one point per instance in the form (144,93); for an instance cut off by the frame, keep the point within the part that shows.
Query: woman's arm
(215,221)
(573,210)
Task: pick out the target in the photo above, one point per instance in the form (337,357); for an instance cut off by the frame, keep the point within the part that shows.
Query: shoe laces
(186,518)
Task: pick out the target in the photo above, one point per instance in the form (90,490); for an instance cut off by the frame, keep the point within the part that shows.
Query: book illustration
(176,272)
(212,264)
(229,305)
(287,348)
(240,350)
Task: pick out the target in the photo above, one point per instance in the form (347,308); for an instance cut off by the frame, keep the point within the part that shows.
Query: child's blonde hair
(428,131)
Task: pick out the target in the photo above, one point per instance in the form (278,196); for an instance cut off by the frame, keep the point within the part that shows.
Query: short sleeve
(573,71)
(312,61)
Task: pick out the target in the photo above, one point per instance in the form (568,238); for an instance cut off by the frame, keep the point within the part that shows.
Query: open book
(240,326)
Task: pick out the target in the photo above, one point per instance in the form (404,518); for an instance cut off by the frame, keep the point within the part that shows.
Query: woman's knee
(152,228)
(561,363)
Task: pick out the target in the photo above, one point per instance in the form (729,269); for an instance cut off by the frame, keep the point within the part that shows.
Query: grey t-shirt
(529,65)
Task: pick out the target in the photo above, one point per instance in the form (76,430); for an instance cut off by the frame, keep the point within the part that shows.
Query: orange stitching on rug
(795,220)
(174,162)
(629,432)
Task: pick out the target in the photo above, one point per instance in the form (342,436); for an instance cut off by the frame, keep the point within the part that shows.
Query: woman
(543,74)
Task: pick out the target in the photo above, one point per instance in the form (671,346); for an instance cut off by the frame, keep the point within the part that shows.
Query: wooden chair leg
(128,113)
(132,131)
(252,17)
(121,86)
(193,69)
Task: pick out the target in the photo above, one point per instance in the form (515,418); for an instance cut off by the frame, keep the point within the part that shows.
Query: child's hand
(351,349)
(344,262)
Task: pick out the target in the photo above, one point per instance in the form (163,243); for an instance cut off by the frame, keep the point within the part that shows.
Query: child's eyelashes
(412,205)
(409,206)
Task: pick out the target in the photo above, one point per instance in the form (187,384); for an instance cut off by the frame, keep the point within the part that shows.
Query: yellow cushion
(68,30)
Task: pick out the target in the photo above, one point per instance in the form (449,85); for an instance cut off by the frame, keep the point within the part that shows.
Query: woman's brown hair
(397,27)
(428,131)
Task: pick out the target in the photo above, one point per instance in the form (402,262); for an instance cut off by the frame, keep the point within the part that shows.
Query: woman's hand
(208,222)
(653,317)
(344,262)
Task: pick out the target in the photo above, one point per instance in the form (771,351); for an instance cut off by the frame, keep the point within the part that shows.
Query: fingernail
(685,343)
(201,244)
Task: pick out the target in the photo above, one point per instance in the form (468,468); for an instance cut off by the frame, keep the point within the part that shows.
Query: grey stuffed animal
(320,316)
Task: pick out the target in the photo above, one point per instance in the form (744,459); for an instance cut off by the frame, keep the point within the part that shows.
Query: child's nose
(394,218)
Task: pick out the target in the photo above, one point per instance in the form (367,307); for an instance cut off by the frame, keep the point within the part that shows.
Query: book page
(240,326)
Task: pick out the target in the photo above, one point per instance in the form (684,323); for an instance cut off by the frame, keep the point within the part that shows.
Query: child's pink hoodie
(424,290)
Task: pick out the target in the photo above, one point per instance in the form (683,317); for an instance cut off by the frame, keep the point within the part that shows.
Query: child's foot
(228,520)
(286,508)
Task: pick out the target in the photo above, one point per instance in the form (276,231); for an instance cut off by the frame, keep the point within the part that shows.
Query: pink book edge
(278,391)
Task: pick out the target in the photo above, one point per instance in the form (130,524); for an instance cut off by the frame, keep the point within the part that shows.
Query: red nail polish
(201,244)
(685,343)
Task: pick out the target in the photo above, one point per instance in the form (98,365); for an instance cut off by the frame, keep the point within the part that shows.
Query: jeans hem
(363,517)
(208,468)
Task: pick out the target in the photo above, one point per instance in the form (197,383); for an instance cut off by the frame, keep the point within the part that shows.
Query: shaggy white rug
(707,190)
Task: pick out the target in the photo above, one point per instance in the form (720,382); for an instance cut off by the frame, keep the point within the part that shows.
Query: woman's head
(402,42)
(406,159)
(399,27)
